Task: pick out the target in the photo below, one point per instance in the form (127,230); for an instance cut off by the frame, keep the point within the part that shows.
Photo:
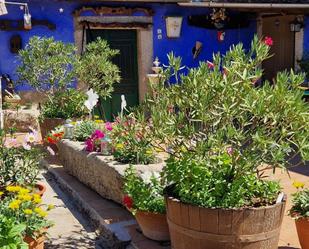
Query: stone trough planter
(100,173)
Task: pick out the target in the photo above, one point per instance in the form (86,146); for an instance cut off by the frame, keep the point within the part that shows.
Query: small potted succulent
(23,210)
(300,212)
(144,198)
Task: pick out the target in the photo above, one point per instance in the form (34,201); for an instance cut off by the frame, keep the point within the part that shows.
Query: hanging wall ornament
(229,22)
(197,49)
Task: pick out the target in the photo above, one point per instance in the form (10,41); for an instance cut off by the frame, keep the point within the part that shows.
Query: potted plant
(23,210)
(49,67)
(144,198)
(225,132)
(300,212)
(131,141)
(19,164)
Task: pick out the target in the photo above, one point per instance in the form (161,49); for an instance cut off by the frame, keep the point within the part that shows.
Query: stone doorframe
(299,38)
(144,41)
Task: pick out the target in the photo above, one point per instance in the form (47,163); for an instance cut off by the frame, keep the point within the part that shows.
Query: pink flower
(109,126)
(51,151)
(89,145)
(268,41)
(97,134)
(12,142)
(230,151)
(210,65)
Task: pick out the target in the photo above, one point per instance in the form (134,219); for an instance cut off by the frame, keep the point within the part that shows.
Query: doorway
(283,49)
(125,41)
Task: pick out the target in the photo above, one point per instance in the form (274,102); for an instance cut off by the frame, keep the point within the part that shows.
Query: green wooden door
(126,42)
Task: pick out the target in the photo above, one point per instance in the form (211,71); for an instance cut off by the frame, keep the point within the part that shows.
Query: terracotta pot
(302,226)
(205,228)
(40,189)
(48,125)
(153,225)
(35,243)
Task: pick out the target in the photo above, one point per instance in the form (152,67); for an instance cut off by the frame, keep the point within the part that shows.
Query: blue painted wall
(49,9)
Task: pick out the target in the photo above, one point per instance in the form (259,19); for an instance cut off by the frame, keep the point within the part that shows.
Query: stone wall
(101,173)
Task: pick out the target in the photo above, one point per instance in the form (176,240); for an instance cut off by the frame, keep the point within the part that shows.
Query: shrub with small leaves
(300,208)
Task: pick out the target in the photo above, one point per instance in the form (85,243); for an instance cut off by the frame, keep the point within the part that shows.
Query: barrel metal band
(223,237)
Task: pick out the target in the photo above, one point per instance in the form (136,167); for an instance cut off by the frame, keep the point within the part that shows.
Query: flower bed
(101,173)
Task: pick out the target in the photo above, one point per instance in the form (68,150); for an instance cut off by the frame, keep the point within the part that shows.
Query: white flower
(146,176)
(26,146)
(92,100)
(31,138)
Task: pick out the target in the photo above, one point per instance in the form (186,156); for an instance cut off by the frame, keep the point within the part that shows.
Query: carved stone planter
(100,173)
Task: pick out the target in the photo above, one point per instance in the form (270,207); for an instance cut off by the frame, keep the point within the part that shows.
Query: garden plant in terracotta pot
(19,164)
(144,198)
(300,212)
(24,214)
(226,130)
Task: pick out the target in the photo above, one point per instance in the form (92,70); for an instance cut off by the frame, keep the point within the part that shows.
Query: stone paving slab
(71,230)
(114,222)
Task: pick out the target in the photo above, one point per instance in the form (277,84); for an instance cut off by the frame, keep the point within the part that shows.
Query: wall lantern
(27,16)
(173,26)
(296,26)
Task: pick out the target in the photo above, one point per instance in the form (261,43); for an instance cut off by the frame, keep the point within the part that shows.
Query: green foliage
(300,208)
(216,181)
(47,65)
(11,234)
(84,130)
(131,140)
(17,164)
(213,108)
(146,191)
(96,68)
(66,104)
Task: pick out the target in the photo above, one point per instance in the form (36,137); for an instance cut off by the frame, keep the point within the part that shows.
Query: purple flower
(109,126)
(97,134)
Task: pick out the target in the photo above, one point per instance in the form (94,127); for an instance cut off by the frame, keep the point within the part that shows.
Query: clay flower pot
(302,226)
(40,189)
(153,225)
(35,243)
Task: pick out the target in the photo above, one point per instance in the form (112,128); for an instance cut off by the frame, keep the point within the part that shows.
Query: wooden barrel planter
(204,228)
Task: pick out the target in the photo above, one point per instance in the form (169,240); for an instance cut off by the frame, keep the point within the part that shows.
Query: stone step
(113,222)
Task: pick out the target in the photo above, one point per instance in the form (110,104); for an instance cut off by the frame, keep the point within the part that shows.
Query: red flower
(128,201)
(50,140)
(268,41)
(58,135)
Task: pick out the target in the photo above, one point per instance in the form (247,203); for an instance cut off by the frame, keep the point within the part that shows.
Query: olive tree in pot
(49,66)
(225,134)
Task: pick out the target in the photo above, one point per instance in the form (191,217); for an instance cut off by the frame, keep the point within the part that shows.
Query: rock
(101,173)
(21,120)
